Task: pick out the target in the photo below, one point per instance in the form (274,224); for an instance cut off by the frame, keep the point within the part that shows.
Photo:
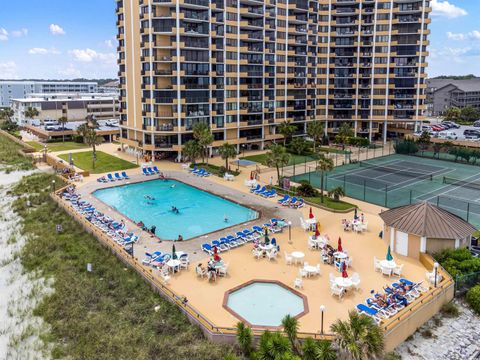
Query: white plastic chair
(272,254)
(165,275)
(376,264)
(288,258)
(355,280)
(298,283)
(223,270)
(398,270)
(257,253)
(183,263)
(386,271)
(318,269)
(337,290)
(200,272)
(303,273)
(303,224)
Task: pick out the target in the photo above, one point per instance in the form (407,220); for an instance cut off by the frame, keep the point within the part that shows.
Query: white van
(449,135)
(50,122)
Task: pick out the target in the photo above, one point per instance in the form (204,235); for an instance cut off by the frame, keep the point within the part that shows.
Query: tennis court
(397,180)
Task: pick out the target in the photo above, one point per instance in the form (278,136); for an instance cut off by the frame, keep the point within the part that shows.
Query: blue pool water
(265,303)
(244,162)
(199,212)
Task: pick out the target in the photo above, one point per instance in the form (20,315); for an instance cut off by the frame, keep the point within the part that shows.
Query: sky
(65,39)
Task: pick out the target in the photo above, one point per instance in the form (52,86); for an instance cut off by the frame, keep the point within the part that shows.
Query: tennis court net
(402,172)
(461,183)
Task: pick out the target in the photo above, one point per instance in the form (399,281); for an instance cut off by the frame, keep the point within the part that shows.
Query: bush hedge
(473,298)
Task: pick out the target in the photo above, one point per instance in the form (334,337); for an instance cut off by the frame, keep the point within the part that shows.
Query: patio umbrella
(311,214)
(389,254)
(174,254)
(355,216)
(344,271)
(215,250)
(339,248)
(267,240)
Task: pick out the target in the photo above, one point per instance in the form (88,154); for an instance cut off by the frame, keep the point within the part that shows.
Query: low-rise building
(445,93)
(73,107)
(11,89)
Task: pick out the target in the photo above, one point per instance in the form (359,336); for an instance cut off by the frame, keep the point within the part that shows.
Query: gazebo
(424,227)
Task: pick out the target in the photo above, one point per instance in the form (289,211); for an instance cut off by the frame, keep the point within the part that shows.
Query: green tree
(227,151)
(344,133)
(31,112)
(324,164)
(204,137)
(452,114)
(315,130)
(63,120)
(455,151)
(336,193)
(358,338)
(287,130)
(7,122)
(474,155)
(273,346)
(245,338)
(469,114)
(192,150)
(277,157)
(298,146)
(91,138)
(424,141)
(290,327)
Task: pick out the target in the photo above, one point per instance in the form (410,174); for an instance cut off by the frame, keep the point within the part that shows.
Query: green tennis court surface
(398,180)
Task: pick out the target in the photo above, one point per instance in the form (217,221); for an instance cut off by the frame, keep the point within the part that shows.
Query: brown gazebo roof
(425,219)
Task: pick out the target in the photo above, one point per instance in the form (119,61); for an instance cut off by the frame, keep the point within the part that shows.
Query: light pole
(435,269)
(53,185)
(289,232)
(322,310)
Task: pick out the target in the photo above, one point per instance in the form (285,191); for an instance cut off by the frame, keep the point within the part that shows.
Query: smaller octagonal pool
(264,303)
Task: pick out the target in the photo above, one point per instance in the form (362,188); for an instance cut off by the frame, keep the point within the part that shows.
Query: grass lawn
(294,159)
(11,157)
(104,163)
(58,146)
(330,203)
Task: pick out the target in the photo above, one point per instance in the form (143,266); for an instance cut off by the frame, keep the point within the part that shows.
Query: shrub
(306,190)
(473,298)
(427,333)
(78,139)
(300,146)
(450,310)
(392,356)
(407,146)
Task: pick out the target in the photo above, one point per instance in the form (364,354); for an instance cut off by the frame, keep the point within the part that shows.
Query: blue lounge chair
(221,246)
(197,172)
(207,248)
(110,177)
(270,194)
(258,229)
(151,171)
(145,172)
(299,204)
(285,198)
(255,189)
(156,170)
(263,189)
(117,176)
(193,169)
(364,309)
(292,201)
(124,175)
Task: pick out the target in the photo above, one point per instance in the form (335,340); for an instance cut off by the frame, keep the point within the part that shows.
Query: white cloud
(70,72)
(56,30)
(20,33)
(446,9)
(3,34)
(109,44)
(43,51)
(454,36)
(8,70)
(472,35)
(89,55)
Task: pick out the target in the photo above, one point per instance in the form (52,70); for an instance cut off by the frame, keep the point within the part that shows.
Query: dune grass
(105,162)
(10,156)
(108,313)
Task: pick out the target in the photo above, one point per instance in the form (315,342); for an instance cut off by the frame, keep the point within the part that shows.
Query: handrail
(148,274)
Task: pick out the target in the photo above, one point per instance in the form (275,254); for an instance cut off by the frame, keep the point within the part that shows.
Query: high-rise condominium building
(245,66)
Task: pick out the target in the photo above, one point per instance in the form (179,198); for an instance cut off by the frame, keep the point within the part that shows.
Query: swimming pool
(265,303)
(243,162)
(199,211)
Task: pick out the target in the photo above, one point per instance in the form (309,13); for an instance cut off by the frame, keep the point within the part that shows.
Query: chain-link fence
(464,282)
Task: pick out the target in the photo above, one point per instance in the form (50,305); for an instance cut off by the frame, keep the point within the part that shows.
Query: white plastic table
(388,264)
(310,269)
(266,247)
(297,256)
(340,255)
(343,282)
(320,241)
(173,264)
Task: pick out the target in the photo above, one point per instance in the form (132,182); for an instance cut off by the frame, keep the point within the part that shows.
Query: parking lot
(455,134)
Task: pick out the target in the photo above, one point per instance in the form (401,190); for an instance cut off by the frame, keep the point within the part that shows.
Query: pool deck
(207,298)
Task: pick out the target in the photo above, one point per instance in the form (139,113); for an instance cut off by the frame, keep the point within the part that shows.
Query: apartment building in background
(443,94)
(75,107)
(11,89)
(245,66)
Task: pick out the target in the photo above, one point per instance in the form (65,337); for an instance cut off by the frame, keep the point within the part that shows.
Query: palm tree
(324,164)
(277,157)
(287,130)
(192,150)
(201,133)
(318,350)
(91,138)
(344,132)
(63,120)
(244,338)
(31,112)
(273,346)
(315,130)
(227,151)
(290,327)
(6,114)
(336,193)
(358,337)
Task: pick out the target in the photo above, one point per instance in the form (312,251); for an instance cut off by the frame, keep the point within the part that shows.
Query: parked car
(449,135)
(471,132)
(476,123)
(451,124)
(437,128)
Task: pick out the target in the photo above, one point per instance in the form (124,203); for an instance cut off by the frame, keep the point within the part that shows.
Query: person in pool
(175,210)
(148,197)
